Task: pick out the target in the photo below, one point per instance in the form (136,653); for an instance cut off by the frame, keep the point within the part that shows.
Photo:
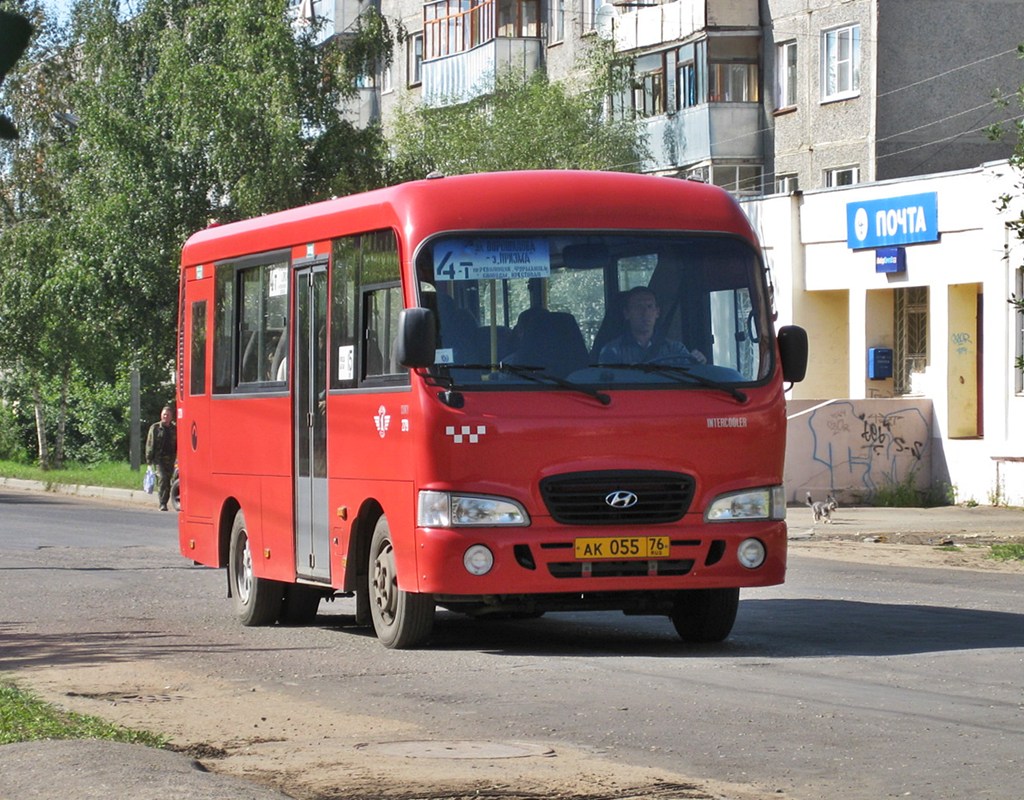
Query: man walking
(161,452)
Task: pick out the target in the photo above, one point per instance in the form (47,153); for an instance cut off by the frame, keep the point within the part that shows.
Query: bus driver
(638,345)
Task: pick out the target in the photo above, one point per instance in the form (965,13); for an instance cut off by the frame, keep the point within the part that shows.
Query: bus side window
(250,334)
(380,311)
(366,297)
(197,352)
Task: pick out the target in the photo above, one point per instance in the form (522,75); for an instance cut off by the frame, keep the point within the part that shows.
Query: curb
(132,496)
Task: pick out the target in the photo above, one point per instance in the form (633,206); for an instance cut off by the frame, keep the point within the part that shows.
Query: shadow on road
(778,629)
(791,628)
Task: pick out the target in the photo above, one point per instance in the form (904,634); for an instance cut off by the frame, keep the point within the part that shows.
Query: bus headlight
(450,510)
(768,502)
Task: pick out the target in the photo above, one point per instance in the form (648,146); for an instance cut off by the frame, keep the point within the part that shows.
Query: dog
(822,509)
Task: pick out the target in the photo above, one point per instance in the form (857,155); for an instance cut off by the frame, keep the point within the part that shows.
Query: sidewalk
(132,496)
(911,525)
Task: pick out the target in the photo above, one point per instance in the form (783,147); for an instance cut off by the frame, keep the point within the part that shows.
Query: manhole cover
(460,749)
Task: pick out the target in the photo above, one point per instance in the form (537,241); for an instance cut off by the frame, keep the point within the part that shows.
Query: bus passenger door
(312,553)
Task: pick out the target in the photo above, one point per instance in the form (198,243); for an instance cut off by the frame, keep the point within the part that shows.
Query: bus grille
(619,569)
(617,498)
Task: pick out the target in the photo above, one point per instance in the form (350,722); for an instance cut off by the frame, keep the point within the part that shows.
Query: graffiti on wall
(862,449)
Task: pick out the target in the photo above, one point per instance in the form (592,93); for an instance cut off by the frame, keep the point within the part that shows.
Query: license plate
(620,547)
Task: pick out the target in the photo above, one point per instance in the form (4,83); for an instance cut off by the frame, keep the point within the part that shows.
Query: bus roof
(548,200)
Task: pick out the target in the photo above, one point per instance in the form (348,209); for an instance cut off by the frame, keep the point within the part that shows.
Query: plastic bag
(149,481)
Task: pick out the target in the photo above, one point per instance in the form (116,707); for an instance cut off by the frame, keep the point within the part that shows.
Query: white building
(903,287)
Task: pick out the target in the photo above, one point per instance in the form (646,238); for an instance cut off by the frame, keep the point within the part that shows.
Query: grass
(1008,552)
(24,717)
(115,474)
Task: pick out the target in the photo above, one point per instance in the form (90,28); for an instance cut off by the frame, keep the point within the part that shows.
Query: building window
(737,178)
(688,96)
(556,25)
(840,63)
(452,26)
(786,184)
(649,86)
(910,325)
(785,79)
(842,176)
(519,19)
(415,60)
(733,83)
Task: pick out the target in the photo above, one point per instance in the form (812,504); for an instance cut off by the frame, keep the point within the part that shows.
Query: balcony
(672,22)
(462,76)
(712,131)
(467,43)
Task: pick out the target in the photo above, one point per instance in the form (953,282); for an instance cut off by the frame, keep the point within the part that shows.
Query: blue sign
(911,219)
(891,259)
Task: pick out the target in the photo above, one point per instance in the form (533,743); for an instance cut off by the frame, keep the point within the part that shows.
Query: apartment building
(854,131)
(865,90)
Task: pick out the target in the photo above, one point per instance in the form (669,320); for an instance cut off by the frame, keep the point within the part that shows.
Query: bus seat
(553,341)
(612,326)
(506,341)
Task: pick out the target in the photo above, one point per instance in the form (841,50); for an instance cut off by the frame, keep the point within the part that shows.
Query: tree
(190,111)
(528,122)
(40,299)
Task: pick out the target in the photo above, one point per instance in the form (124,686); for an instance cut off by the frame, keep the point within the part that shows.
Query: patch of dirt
(318,753)
(909,550)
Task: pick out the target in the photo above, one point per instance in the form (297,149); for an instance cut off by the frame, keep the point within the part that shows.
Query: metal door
(312,554)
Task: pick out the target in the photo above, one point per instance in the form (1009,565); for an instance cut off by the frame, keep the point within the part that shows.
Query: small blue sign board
(879,363)
(911,219)
(891,259)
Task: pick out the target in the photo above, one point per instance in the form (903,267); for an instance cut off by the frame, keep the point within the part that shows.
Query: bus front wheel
(705,615)
(401,619)
(257,600)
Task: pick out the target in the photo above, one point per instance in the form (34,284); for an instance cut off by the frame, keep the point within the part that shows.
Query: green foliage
(133,137)
(527,122)
(1008,552)
(901,494)
(24,717)
(111,474)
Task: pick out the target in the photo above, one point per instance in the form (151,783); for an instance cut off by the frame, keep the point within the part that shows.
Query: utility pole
(135,434)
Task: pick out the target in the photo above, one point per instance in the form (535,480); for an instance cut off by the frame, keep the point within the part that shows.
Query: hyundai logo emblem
(621,499)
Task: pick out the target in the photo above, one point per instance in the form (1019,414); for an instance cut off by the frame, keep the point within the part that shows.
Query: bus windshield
(629,309)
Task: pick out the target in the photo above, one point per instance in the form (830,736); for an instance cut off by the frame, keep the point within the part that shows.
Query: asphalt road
(849,681)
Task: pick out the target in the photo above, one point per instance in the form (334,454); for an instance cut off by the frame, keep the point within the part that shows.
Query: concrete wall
(854,448)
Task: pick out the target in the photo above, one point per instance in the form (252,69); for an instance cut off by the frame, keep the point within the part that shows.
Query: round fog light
(478,560)
(750,553)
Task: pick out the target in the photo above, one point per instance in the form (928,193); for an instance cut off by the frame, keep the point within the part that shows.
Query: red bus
(504,393)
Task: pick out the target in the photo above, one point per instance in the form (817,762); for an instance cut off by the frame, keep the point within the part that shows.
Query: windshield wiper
(534,374)
(681,373)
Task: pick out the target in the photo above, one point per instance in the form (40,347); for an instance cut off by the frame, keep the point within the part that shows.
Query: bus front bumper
(478,562)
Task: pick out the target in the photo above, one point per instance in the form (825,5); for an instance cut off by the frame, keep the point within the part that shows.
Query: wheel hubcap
(243,573)
(385,586)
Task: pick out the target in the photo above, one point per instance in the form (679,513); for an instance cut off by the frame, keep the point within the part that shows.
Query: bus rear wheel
(257,600)
(705,615)
(401,619)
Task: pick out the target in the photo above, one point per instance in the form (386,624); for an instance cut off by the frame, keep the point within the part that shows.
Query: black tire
(300,604)
(401,619)
(705,615)
(176,494)
(257,601)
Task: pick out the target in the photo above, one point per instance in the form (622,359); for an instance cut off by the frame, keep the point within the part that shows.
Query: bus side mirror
(793,352)
(417,337)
